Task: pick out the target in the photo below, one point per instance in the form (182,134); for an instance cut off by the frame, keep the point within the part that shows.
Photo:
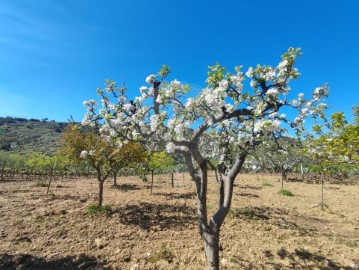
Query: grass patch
(42,183)
(93,209)
(38,219)
(209,207)
(164,254)
(286,192)
(267,184)
(246,211)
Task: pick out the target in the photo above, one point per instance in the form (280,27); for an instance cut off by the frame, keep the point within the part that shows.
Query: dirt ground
(264,230)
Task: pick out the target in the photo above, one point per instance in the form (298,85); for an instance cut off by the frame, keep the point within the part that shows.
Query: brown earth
(264,230)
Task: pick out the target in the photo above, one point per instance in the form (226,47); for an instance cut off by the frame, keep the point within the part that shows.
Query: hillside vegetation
(25,136)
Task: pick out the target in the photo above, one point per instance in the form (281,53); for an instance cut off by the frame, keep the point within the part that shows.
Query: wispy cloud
(35,34)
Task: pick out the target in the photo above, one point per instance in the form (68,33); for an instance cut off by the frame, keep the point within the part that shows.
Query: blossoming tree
(283,155)
(217,128)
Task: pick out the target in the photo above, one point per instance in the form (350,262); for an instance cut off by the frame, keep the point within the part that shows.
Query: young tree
(158,161)
(280,155)
(337,146)
(88,147)
(130,155)
(100,153)
(222,124)
(47,163)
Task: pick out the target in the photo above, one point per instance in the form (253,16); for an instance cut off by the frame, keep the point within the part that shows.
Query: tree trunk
(322,191)
(115,178)
(152,172)
(172,181)
(48,186)
(302,172)
(282,180)
(100,185)
(100,192)
(284,176)
(220,192)
(210,231)
(211,248)
(2,170)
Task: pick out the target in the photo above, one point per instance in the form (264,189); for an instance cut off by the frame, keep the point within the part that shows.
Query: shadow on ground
(258,213)
(126,187)
(249,187)
(30,262)
(171,195)
(281,218)
(158,216)
(303,259)
(247,195)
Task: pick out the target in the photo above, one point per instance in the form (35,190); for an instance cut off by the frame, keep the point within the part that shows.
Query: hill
(24,136)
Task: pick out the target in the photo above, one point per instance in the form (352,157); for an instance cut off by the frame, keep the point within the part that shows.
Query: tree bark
(101,181)
(172,180)
(2,170)
(211,248)
(284,177)
(100,192)
(152,172)
(115,178)
(302,172)
(210,231)
(48,186)
(322,191)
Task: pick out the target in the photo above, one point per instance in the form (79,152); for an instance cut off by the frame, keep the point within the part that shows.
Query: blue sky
(55,53)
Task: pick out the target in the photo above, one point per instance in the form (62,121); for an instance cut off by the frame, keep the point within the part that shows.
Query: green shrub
(93,209)
(267,184)
(42,183)
(164,254)
(286,192)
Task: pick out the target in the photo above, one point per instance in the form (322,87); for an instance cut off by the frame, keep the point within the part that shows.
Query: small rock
(224,261)
(125,258)
(99,243)
(134,267)
(85,265)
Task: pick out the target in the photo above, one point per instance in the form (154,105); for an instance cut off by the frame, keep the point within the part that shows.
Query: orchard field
(264,229)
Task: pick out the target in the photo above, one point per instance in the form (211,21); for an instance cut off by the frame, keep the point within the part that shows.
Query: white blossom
(249,73)
(159,99)
(151,78)
(283,64)
(170,147)
(273,92)
(83,154)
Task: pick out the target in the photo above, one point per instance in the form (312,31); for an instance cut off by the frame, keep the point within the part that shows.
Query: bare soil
(264,230)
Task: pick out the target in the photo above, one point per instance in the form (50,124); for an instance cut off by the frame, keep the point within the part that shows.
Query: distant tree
(160,162)
(280,155)
(130,155)
(88,147)
(336,146)
(102,154)
(47,163)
